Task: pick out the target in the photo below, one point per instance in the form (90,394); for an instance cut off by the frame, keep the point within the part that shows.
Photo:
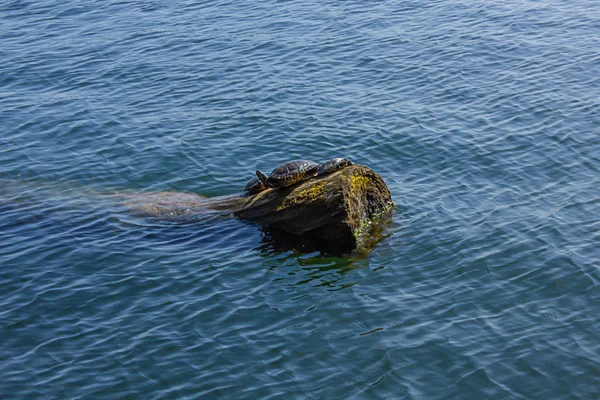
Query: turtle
(288,173)
(254,185)
(333,165)
(294,171)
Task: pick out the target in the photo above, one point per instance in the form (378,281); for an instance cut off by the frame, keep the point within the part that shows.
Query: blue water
(483,118)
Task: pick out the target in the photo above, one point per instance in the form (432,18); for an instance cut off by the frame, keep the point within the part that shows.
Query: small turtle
(254,185)
(288,173)
(333,165)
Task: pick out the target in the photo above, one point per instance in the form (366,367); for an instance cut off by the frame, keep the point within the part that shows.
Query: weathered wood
(341,207)
(338,207)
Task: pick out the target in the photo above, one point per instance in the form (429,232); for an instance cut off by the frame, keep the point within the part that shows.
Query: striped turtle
(333,165)
(254,185)
(293,172)
(288,173)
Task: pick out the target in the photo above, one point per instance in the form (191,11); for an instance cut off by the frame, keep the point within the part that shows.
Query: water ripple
(482,119)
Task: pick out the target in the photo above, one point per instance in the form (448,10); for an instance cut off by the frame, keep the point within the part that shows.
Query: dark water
(483,118)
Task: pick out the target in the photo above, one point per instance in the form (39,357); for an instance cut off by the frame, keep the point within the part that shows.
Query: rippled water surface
(483,118)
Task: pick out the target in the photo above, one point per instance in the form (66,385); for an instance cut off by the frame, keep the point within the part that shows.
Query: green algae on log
(348,206)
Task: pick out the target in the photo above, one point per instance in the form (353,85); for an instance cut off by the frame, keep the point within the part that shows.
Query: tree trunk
(342,207)
(338,207)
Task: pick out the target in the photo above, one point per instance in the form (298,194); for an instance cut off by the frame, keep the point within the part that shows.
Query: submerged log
(341,207)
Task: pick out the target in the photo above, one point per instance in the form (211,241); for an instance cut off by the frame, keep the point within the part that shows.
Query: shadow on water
(299,262)
(278,241)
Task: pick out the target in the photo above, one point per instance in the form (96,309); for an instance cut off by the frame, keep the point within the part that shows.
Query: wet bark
(339,207)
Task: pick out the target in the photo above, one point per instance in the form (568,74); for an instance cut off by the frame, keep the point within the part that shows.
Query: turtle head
(342,163)
(333,165)
(264,179)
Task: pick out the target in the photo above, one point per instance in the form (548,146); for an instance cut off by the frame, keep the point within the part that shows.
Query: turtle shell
(333,165)
(289,173)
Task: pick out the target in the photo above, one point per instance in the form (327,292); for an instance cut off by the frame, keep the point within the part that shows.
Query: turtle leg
(263,178)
